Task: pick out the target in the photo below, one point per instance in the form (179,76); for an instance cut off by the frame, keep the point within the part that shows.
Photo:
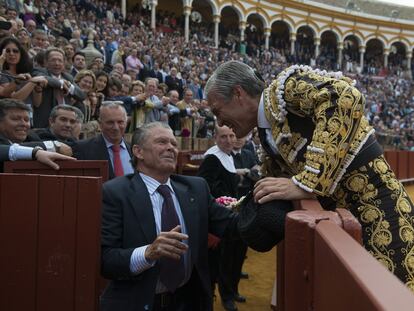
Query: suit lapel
(188,209)
(141,204)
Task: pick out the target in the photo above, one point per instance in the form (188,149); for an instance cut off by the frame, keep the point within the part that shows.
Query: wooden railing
(50,242)
(322,266)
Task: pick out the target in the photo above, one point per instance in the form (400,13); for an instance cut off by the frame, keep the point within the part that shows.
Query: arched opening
(305,46)
(254,33)
(351,54)
(374,56)
(397,61)
(202,17)
(170,14)
(279,37)
(328,54)
(229,28)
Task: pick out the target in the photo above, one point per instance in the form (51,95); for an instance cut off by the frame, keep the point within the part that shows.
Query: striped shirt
(138,263)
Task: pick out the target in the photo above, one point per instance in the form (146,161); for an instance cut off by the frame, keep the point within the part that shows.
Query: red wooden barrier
(49,232)
(349,278)
(325,268)
(96,168)
(392,159)
(403,165)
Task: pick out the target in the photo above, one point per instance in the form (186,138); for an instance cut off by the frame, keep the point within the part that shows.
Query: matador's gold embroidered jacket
(318,125)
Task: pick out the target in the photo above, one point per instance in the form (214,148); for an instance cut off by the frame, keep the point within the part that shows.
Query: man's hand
(167,244)
(39,81)
(272,188)
(49,158)
(65,150)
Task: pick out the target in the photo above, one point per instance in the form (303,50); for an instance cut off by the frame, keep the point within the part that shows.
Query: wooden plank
(411,164)
(55,262)
(18,240)
(392,159)
(68,168)
(403,167)
(88,243)
(348,278)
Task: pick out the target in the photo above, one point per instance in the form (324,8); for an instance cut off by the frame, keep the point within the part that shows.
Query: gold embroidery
(340,127)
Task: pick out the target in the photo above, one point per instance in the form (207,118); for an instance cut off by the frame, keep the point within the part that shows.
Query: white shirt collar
(153,184)
(225,159)
(261,116)
(109,144)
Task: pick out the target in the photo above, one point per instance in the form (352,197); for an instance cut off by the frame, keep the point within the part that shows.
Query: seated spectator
(69,54)
(102,79)
(78,63)
(59,89)
(62,123)
(40,42)
(133,63)
(187,121)
(109,145)
(17,82)
(24,38)
(15,128)
(86,81)
(174,83)
(141,108)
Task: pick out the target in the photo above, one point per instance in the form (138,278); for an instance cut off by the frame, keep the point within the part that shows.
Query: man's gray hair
(78,113)
(141,135)
(112,104)
(151,79)
(230,74)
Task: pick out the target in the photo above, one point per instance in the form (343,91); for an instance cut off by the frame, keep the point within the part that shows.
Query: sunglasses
(15,51)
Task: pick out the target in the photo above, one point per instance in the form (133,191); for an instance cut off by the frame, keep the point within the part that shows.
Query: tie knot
(164,190)
(116,148)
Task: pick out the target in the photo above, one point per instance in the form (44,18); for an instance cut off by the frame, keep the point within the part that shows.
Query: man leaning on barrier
(319,144)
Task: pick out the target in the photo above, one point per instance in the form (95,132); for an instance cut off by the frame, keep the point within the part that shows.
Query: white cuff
(17,152)
(71,89)
(50,146)
(138,263)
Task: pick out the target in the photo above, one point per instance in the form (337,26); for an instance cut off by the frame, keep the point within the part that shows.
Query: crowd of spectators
(156,74)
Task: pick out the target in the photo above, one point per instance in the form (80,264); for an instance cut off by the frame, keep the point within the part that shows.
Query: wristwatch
(34,152)
(57,145)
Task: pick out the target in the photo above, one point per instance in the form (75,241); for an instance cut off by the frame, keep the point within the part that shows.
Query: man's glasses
(15,51)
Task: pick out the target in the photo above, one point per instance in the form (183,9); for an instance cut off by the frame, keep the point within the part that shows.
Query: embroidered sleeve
(340,129)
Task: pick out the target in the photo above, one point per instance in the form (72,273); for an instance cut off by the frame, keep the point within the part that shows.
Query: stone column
(267,33)
(123,8)
(361,57)
(409,55)
(187,12)
(317,42)
(216,20)
(242,27)
(340,47)
(292,43)
(386,53)
(153,13)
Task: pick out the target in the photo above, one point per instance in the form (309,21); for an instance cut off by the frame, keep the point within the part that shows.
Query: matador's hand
(272,188)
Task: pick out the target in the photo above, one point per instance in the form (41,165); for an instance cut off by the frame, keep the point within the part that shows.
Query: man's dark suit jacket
(49,100)
(94,149)
(4,153)
(175,84)
(46,134)
(32,140)
(128,222)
